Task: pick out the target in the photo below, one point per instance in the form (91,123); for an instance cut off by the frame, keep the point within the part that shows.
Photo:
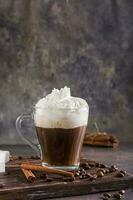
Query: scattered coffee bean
(81,169)
(122,192)
(107,195)
(97,164)
(77,174)
(20,157)
(101,170)
(92,164)
(117,196)
(124,172)
(87,167)
(113,168)
(81,177)
(120,175)
(84,160)
(84,176)
(84,173)
(100,174)
(84,164)
(102,166)
(1,185)
(107,170)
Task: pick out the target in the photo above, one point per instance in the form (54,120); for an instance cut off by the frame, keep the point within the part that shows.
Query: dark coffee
(61,147)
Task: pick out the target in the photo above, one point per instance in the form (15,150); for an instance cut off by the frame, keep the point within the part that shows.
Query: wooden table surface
(122,157)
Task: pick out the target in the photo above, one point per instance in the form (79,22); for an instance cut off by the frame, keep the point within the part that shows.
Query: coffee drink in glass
(60,122)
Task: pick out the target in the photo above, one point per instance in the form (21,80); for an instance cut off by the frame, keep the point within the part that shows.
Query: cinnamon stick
(29,175)
(46,169)
(101,139)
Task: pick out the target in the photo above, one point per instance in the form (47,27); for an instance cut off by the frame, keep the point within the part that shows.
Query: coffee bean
(100,174)
(113,168)
(117,196)
(2,185)
(81,169)
(92,164)
(84,164)
(97,164)
(102,166)
(107,171)
(77,174)
(84,176)
(101,170)
(87,167)
(81,177)
(107,195)
(84,173)
(124,172)
(119,175)
(122,192)
(20,157)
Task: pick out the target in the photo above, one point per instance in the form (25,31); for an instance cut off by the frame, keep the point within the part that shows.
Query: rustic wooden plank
(51,190)
(17,188)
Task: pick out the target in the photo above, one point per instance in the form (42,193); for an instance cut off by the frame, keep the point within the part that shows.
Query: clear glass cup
(60,134)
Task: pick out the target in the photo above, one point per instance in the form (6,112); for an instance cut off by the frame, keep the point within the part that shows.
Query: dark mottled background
(87,45)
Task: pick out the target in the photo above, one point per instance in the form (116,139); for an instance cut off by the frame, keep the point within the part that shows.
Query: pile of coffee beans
(116,195)
(83,174)
(101,171)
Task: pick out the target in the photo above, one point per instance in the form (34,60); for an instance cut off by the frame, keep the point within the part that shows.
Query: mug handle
(19,121)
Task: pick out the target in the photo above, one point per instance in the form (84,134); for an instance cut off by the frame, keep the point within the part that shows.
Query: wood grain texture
(18,189)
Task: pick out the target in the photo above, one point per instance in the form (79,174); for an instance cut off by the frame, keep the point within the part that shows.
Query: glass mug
(60,134)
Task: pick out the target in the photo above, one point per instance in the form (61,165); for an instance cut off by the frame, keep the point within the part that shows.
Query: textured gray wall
(87,45)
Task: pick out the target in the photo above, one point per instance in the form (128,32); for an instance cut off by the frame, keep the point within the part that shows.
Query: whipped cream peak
(60,110)
(62,99)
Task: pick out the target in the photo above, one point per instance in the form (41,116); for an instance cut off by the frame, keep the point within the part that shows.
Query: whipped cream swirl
(61,110)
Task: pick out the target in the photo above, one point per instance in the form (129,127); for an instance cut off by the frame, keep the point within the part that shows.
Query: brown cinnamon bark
(29,175)
(46,169)
(101,139)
